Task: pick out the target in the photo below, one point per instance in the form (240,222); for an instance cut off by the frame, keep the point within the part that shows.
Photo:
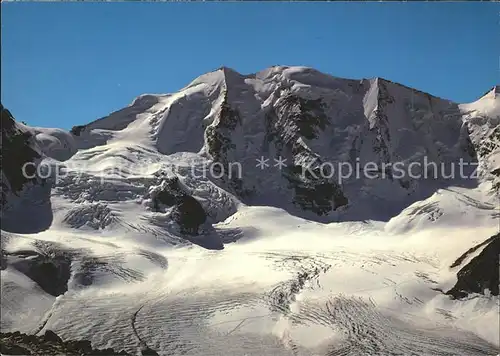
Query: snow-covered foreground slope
(155,227)
(288,286)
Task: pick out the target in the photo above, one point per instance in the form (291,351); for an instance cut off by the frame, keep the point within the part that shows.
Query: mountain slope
(315,136)
(229,205)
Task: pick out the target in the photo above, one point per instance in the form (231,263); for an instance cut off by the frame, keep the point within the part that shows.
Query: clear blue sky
(65,64)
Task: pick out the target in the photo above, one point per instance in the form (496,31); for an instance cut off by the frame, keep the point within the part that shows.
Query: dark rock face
(188,212)
(3,260)
(481,273)
(52,336)
(302,117)
(23,193)
(171,195)
(219,143)
(119,119)
(381,129)
(314,193)
(16,152)
(49,344)
(489,144)
(76,130)
(219,137)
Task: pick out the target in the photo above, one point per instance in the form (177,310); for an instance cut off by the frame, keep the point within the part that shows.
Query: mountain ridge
(221,219)
(231,71)
(310,119)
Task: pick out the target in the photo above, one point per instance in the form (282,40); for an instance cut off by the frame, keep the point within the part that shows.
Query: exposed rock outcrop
(50,343)
(17,150)
(293,120)
(187,212)
(50,271)
(23,192)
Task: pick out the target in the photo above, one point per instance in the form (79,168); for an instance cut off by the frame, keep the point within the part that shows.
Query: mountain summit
(318,126)
(282,212)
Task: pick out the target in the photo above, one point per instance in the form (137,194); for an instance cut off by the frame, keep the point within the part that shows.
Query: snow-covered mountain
(256,166)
